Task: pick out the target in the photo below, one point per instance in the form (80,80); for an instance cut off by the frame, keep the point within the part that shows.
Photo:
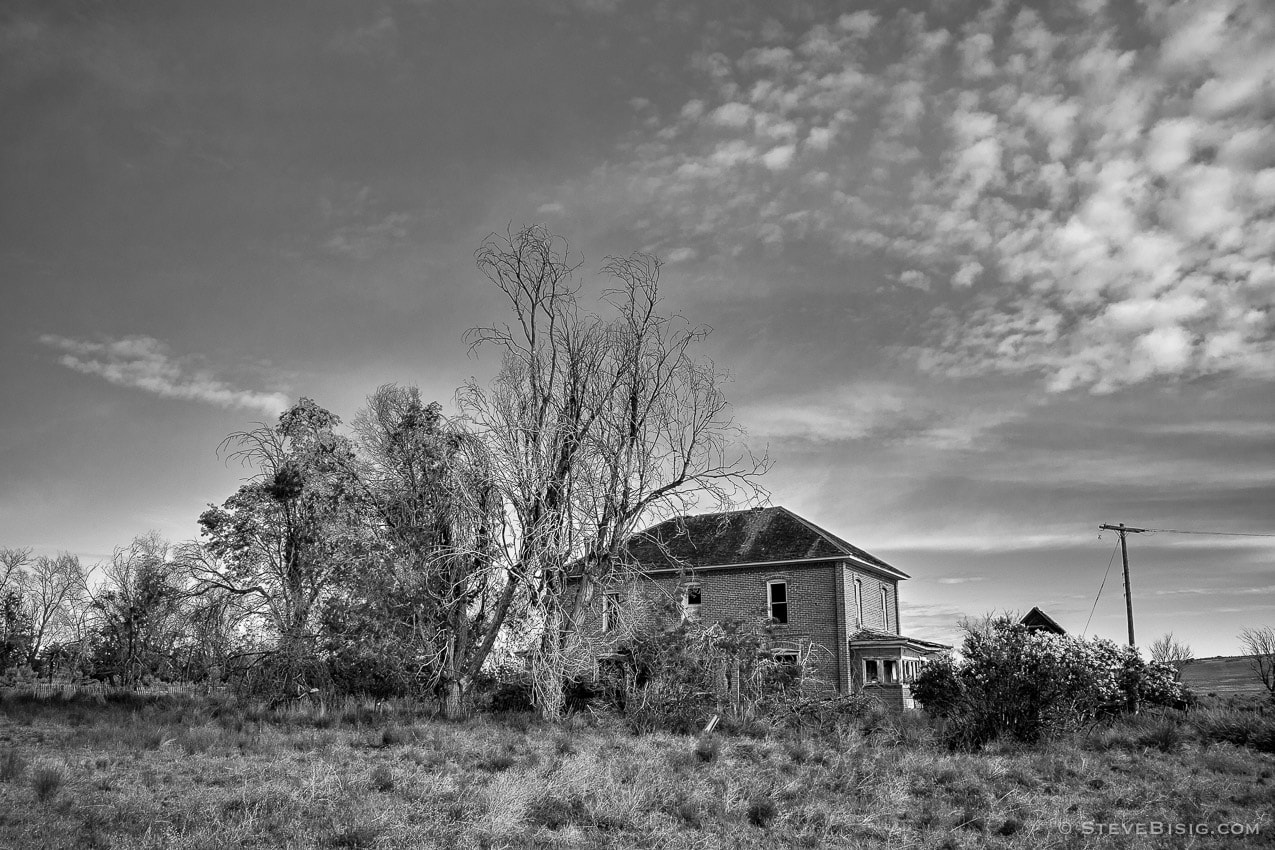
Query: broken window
(777,601)
(691,598)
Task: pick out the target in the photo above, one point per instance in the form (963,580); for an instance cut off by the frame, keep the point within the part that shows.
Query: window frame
(885,607)
(858,600)
(610,611)
(770,600)
(690,610)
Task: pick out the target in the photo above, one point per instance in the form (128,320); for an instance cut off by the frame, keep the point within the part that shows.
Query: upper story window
(777,600)
(610,612)
(858,601)
(692,596)
(885,609)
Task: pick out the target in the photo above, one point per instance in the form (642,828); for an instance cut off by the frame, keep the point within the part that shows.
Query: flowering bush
(1032,684)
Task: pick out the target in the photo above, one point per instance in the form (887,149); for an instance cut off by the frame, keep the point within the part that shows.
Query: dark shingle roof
(1038,619)
(760,535)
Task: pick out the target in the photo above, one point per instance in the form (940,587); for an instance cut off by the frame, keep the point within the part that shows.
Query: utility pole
(1124,556)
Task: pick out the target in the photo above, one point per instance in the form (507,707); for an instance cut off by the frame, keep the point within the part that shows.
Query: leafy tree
(285,539)
(433,513)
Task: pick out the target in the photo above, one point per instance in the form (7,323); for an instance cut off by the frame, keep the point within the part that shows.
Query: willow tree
(592,426)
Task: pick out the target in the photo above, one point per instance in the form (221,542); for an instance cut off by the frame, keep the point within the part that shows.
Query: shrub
(506,691)
(1029,685)
(677,673)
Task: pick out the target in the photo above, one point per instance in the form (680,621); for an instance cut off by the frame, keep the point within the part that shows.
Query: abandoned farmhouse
(826,599)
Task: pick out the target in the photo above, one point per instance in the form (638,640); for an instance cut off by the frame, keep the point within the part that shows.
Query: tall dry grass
(204,774)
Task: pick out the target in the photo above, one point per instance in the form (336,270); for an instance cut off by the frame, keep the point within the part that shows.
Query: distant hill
(1222,675)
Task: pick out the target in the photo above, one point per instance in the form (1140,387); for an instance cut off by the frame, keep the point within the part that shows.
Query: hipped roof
(757,536)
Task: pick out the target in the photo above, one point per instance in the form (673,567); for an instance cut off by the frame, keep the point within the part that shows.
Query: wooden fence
(66,690)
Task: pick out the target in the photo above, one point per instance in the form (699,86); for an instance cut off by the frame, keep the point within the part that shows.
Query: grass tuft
(381,778)
(45,781)
(358,836)
(762,811)
(11,765)
(708,747)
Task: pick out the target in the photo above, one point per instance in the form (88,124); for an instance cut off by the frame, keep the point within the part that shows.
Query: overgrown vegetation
(1028,685)
(402,556)
(136,773)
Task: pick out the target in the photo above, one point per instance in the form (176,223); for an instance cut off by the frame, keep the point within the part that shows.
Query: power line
(1100,587)
(1216,533)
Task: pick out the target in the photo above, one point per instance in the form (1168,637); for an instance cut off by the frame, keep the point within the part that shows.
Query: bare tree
(55,589)
(12,564)
(1166,650)
(592,427)
(1259,646)
(140,603)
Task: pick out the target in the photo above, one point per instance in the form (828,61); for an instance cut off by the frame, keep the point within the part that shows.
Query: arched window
(858,602)
(885,609)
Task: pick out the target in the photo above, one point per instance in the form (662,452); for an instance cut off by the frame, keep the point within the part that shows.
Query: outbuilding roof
(756,536)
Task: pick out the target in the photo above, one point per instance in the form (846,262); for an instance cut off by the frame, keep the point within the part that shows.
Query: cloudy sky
(986,274)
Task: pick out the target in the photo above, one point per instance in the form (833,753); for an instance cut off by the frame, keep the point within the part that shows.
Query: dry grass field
(1222,675)
(205,774)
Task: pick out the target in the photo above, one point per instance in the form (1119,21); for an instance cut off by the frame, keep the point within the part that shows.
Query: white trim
(787,603)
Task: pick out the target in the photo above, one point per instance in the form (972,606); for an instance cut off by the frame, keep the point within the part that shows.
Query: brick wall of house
(872,615)
(742,593)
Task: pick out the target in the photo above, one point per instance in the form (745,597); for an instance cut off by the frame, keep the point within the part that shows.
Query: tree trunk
(453,700)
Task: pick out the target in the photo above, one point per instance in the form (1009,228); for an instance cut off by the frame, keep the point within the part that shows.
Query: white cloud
(146,363)
(735,115)
(778,158)
(1049,175)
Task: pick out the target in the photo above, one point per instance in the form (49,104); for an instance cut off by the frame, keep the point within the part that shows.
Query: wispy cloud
(881,411)
(357,225)
(146,363)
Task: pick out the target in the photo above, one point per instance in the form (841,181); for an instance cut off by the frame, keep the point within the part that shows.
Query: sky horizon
(985,275)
